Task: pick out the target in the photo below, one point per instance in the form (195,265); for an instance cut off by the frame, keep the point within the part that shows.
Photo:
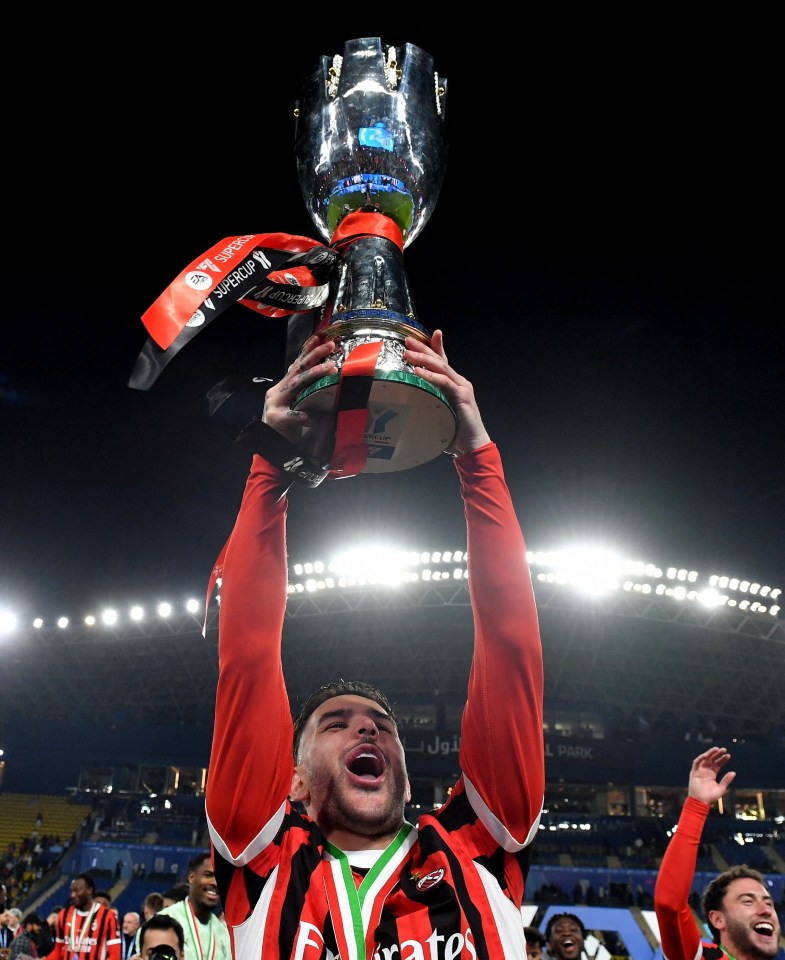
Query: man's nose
(367,727)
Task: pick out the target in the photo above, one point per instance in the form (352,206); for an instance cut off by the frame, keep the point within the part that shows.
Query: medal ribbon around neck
(193,926)
(356,911)
(76,945)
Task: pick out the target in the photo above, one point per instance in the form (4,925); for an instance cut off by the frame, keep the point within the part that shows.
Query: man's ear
(299,790)
(717,919)
(408,794)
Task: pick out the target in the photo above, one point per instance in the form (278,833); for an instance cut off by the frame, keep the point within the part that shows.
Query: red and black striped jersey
(450,886)
(86,934)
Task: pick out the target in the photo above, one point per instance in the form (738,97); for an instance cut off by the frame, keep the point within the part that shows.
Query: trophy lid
(370,136)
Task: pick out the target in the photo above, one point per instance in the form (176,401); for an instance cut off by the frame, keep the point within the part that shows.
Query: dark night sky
(604,258)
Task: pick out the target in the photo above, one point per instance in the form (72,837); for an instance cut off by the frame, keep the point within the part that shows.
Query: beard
(744,941)
(376,814)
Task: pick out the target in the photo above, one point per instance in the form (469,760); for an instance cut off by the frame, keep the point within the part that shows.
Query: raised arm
(502,751)
(251,761)
(678,932)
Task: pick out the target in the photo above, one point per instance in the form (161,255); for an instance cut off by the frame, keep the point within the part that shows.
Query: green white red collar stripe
(356,911)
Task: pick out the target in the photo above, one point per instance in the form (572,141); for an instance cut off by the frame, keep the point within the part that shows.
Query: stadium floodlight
(594,571)
(709,597)
(591,570)
(372,564)
(109,617)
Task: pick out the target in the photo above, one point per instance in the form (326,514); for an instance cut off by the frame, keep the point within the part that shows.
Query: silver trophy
(371,154)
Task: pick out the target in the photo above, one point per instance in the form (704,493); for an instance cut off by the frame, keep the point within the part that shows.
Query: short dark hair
(162,921)
(103,893)
(564,916)
(195,862)
(154,900)
(88,879)
(178,892)
(34,918)
(715,892)
(338,688)
(534,935)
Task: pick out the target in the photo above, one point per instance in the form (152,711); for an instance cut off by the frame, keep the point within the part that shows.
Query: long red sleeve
(680,937)
(252,739)
(502,752)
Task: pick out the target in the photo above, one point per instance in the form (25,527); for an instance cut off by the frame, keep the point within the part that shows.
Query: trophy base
(409,421)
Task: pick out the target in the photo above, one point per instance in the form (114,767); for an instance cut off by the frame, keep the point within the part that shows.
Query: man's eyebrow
(343,712)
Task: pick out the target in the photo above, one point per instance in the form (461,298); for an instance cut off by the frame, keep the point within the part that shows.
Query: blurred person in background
(535,942)
(104,897)
(206,936)
(6,934)
(25,943)
(46,935)
(565,936)
(152,904)
(161,938)
(86,929)
(175,894)
(130,927)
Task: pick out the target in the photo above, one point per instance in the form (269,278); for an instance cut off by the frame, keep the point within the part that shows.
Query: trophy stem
(371,285)
(386,417)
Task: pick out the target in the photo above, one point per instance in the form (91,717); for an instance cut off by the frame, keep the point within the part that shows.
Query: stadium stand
(33,816)
(603,868)
(632,686)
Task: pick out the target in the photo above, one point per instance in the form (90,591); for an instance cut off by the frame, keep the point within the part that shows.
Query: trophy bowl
(370,131)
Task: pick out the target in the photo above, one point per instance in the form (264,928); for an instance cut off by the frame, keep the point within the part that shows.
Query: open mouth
(764,928)
(366,764)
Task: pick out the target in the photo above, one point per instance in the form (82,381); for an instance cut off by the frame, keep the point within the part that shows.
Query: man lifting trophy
(371,154)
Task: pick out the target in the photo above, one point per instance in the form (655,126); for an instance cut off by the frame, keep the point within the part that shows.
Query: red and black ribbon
(275,274)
